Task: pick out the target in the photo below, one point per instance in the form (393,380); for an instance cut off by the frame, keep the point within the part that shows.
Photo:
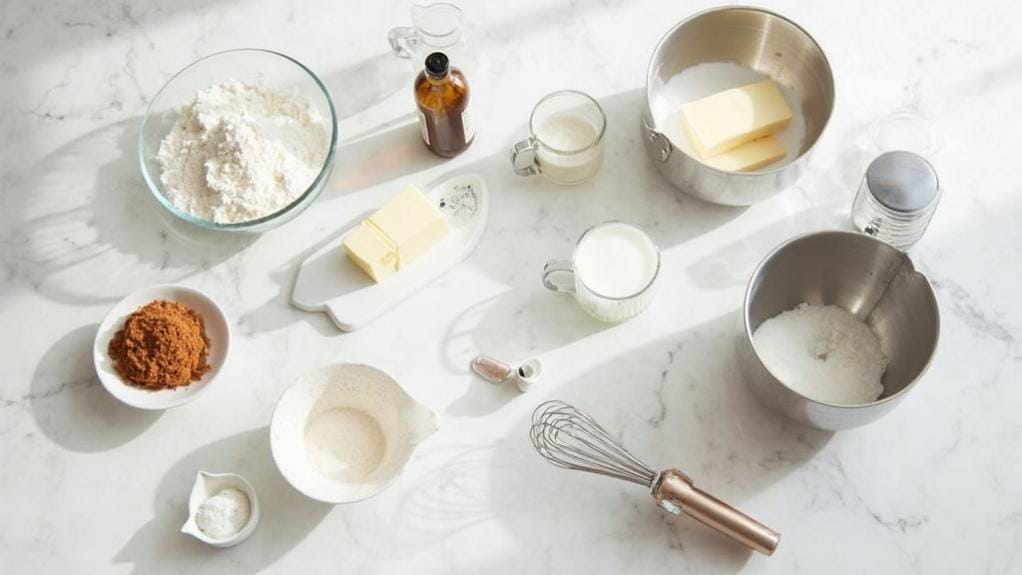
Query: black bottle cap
(437,64)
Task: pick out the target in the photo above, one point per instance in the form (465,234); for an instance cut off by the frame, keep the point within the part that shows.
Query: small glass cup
(438,27)
(897,198)
(602,307)
(565,142)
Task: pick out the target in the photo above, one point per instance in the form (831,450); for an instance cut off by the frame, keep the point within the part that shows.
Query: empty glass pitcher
(438,27)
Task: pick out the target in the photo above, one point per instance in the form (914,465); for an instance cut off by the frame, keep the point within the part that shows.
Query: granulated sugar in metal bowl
(825,353)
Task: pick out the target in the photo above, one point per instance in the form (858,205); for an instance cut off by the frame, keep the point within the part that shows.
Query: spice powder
(162,345)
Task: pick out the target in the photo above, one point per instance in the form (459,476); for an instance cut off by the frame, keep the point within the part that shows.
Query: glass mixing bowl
(254,66)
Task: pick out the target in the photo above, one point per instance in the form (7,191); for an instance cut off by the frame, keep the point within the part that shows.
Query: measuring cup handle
(403,40)
(675,490)
(523,157)
(559,268)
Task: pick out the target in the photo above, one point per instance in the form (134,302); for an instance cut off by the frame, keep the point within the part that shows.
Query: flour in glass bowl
(239,152)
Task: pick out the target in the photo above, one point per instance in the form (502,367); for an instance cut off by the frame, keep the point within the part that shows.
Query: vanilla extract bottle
(444,101)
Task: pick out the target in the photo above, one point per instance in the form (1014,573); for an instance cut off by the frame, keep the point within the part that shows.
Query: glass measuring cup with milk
(611,273)
(565,144)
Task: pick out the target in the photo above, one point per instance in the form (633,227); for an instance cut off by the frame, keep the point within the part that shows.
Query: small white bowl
(402,422)
(217,330)
(209,484)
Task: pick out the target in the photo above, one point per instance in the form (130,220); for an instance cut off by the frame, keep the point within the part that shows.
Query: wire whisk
(570,438)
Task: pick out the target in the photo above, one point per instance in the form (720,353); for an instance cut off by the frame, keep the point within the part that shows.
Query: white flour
(239,152)
(823,352)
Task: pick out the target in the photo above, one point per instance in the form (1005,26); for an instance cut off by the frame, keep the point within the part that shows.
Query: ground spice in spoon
(162,345)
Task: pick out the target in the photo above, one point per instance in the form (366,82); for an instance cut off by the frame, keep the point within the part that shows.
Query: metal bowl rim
(741,7)
(767,259)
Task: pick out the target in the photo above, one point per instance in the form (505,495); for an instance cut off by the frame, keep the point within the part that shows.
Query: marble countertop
(90,485)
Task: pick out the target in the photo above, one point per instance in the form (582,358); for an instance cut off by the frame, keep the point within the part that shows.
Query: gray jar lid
(902,181)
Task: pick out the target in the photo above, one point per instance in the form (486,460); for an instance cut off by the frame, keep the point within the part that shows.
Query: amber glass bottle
(445,116)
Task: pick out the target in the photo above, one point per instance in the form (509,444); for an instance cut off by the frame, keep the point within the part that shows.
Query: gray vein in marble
(657,419)
(59,388)
(899,524)
(965,307)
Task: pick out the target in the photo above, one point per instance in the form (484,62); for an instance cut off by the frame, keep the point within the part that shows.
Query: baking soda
(224,514)
(823,352)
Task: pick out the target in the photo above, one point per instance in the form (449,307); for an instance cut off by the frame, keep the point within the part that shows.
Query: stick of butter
(749,156)
(396,235)
(728,119)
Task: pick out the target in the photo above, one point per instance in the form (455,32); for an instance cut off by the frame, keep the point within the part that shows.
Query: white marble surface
(89,485)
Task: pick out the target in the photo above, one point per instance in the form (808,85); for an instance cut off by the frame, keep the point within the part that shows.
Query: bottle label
(467,123)
(423,128)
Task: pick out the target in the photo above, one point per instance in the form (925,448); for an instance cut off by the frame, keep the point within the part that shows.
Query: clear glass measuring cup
(565,143)
(437,27)
(574,276)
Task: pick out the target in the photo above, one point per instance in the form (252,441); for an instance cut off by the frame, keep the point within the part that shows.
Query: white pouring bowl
(217,330)
(209,484)
(383,411)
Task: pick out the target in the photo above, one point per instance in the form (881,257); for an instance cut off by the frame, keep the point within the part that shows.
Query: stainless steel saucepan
(758,39)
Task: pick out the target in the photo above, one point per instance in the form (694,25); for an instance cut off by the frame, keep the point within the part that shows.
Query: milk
(616,260)
(561,136)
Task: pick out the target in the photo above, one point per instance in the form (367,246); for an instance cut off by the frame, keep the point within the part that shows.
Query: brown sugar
(162,345)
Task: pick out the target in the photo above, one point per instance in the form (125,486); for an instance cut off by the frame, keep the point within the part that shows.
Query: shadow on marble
(86,230)
(731,264)
(71,406)
(824,197)
(677,402)
(512,326)
(451,497)
(287,516)
(278,312)
(361,86)
(385,153)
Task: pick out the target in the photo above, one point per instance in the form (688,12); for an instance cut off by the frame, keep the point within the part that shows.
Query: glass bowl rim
(156,190)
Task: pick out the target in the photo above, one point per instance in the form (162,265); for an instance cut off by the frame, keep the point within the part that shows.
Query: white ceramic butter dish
(328,282)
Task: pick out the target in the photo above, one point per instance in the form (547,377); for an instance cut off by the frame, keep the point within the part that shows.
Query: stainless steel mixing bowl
(864,275)
(764,41)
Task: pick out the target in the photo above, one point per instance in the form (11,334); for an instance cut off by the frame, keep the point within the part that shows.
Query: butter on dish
(396,235)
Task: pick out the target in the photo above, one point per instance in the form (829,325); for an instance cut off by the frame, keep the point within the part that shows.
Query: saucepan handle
(675,492)
(654,136)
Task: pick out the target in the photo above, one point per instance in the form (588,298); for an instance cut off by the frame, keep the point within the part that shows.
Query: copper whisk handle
(676,490)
